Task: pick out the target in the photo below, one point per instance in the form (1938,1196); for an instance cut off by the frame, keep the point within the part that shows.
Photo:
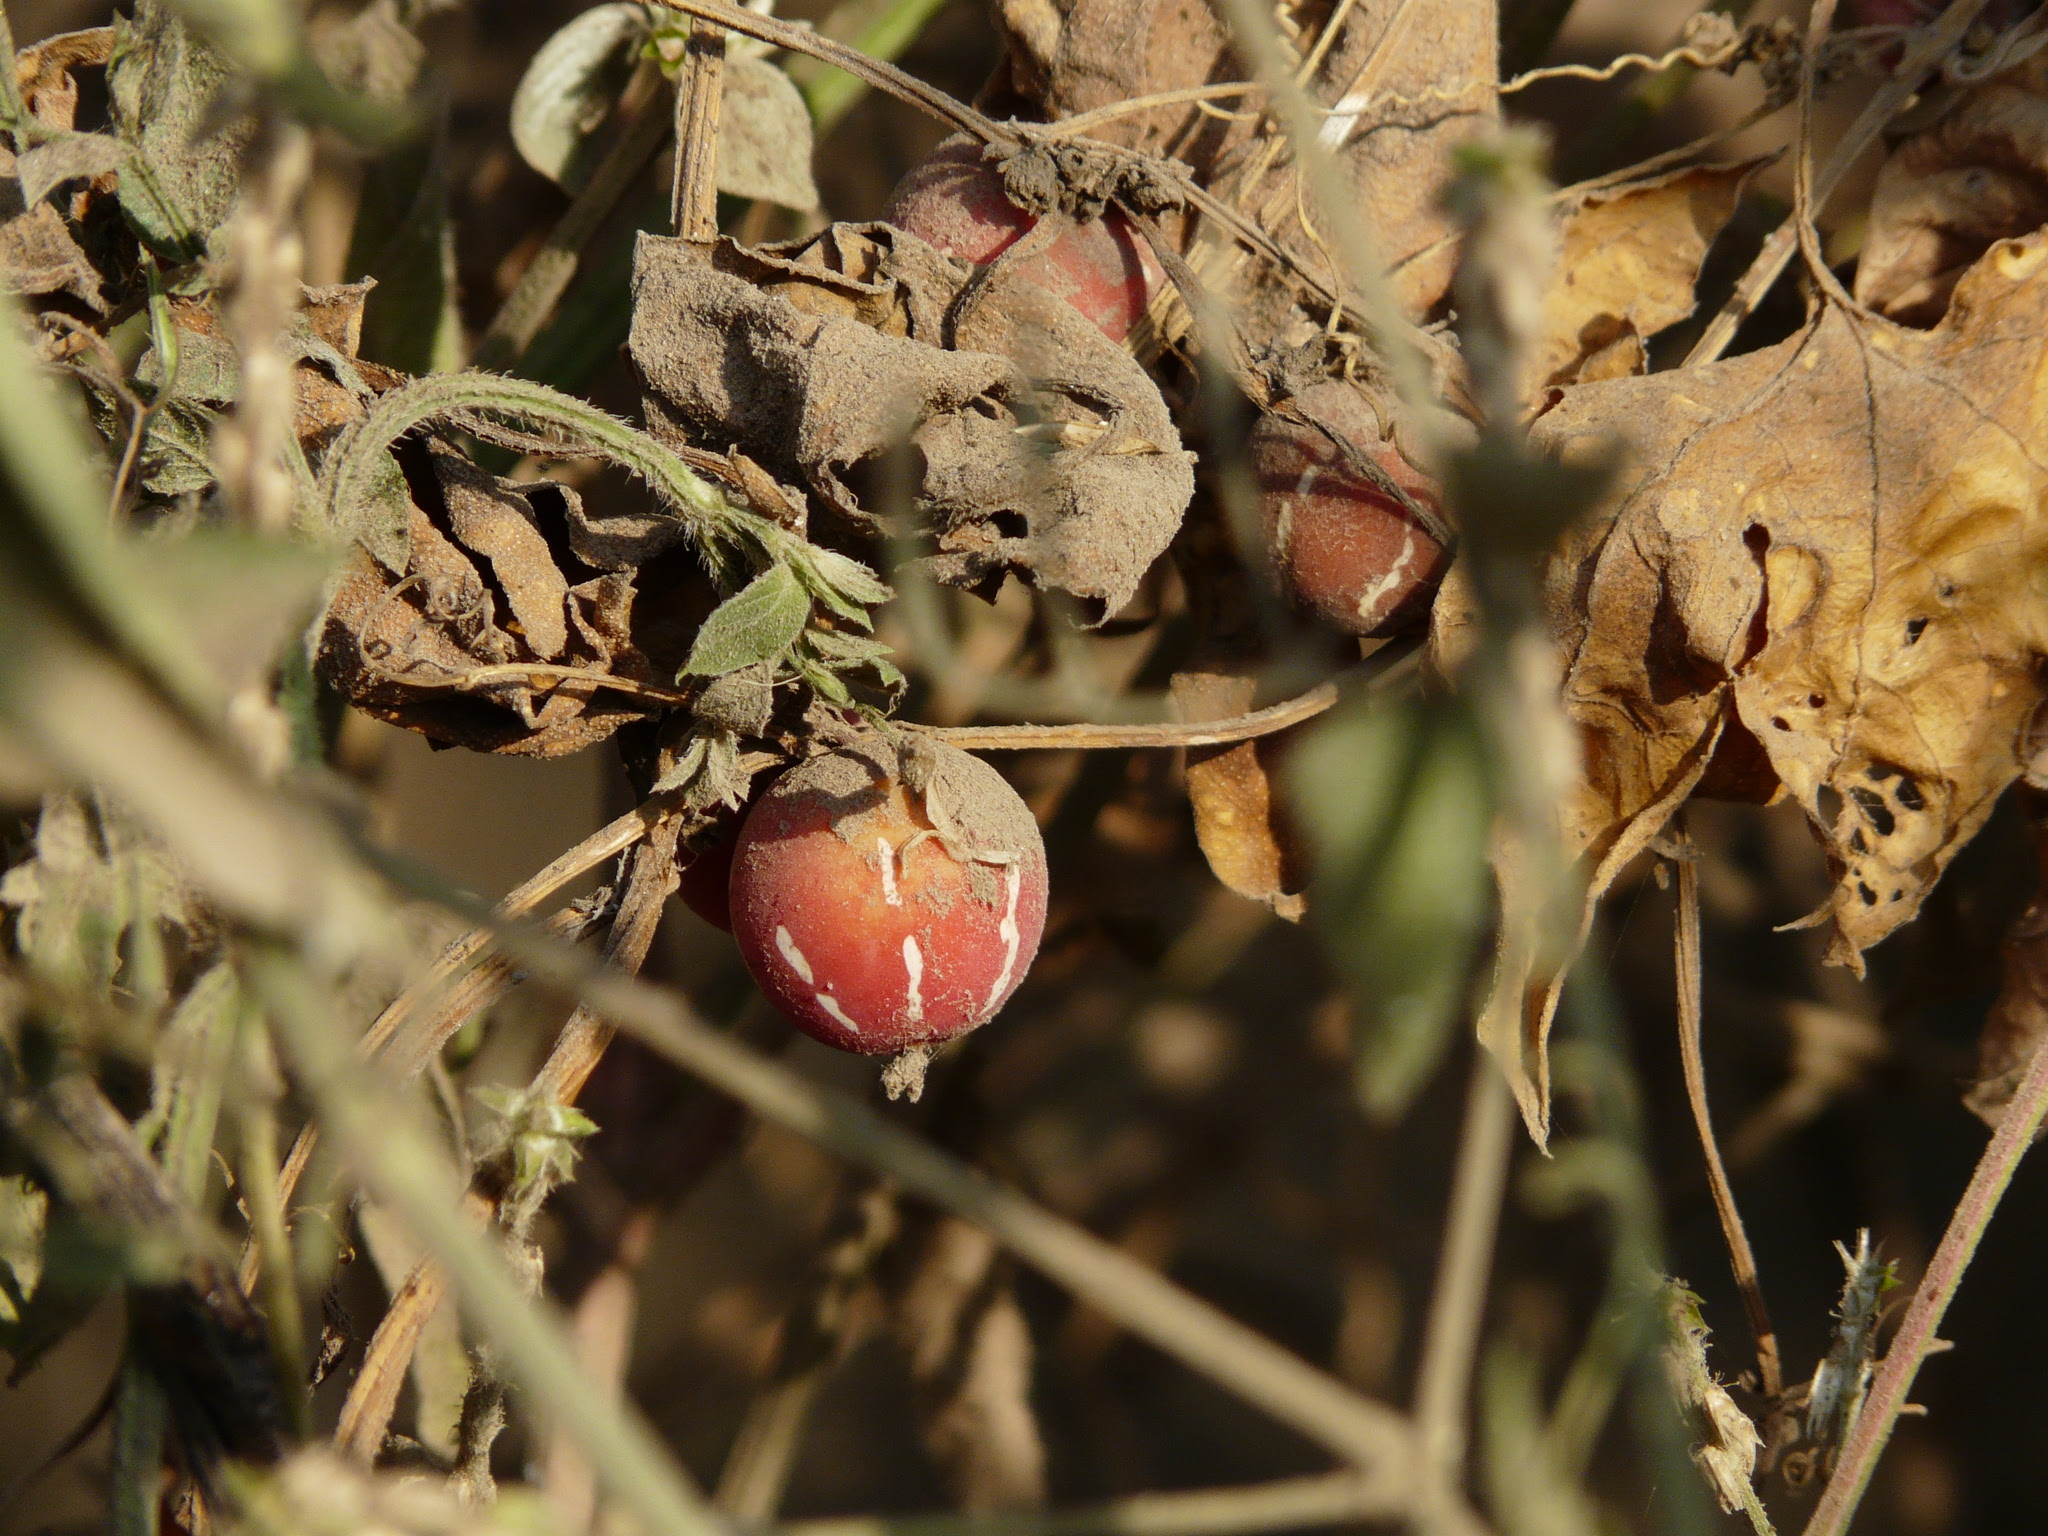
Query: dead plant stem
(1457,1307)
(401,1165)
(1917,1337)
(1144,1302)
(1741,1258)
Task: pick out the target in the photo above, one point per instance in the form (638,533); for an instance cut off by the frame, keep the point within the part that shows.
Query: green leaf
(826,682)
(164,86)
(1396,802)
(842,584)
(758,623)
(571,87)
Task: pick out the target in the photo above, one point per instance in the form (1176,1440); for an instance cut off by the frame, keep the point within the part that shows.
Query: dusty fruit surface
(1340,545)
(954,199)
(883,902)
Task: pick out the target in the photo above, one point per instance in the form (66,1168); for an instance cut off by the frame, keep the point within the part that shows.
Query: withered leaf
(1630,258)
(1237,808)
(1819,573)
(764,136)
(413,645)
(39,256)
(1975,174)
(1040,447)
(69,157)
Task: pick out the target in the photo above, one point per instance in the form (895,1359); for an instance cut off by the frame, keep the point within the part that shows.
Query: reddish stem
(1916,1335)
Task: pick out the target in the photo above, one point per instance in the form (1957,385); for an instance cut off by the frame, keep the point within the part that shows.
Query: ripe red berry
(885,900)
(704,881)
(1341,545)
(954,199)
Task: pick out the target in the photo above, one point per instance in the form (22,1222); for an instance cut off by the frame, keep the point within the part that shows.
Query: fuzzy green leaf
(755,624)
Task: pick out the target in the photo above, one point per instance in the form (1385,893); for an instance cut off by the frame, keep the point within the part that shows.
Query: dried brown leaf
(39,256)
(1819,570)
(495,579)
(1238,819)
(1630,258)
(1976,174)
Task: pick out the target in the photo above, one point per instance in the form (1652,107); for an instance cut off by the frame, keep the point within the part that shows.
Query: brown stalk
(408,1036)
(700,100)
(1741,1258)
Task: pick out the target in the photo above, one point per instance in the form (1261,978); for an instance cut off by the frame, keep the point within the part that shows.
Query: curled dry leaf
(1040,447)
(1818,574)
(498,575)
(1975,174)
(1238,812)
(39,256)
(1631,255)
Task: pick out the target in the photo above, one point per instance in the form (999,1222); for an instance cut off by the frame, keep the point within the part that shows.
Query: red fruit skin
(704,881)
(1340,545)
(954,199)
(866,940)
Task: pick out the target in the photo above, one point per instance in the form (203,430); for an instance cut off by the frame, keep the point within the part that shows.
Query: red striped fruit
(954,199)
(884,902)
(1341,545)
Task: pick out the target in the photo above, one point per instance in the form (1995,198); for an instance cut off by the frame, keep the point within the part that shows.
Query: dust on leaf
(756,624)
(764,136)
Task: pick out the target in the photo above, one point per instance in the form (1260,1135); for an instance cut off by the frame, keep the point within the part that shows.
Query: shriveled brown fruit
(1977,173)
(1341,545)
(954,199)
(1821,566)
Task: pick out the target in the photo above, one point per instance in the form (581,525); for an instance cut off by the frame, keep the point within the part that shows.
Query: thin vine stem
(1917,1336)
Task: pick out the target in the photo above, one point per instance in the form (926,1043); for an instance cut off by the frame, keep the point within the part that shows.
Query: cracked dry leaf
(497,575)
(1823,569)
(1630,257)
